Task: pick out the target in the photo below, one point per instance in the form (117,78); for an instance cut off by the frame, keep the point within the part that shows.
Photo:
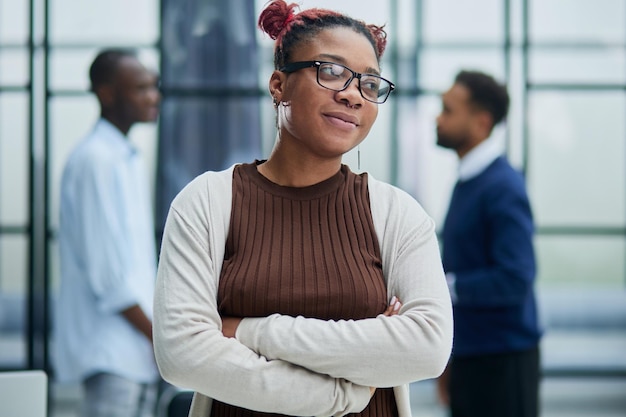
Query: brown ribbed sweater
(308,251)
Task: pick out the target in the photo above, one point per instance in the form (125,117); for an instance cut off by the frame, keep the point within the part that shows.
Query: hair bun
(275,18)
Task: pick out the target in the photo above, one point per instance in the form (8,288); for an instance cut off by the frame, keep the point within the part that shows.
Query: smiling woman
(293,285)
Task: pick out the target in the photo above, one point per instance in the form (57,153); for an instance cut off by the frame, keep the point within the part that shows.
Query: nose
(351,95)
(155,95)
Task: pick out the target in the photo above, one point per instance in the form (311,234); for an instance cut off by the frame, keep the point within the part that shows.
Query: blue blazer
(488,244)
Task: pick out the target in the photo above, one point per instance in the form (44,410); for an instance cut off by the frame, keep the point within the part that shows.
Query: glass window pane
(604,66)
(14,67)
(69,68)
(463,21)
(516,14)
(406,30)
(14,151)
(426,171)
(577,147)
(14,21)
(577,21)
(116,22)
(581,261)
(13,262)
(515,120)
(219,53)
(371,11)
(438,67)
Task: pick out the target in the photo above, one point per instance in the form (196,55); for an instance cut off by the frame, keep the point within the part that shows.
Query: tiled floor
(561,397)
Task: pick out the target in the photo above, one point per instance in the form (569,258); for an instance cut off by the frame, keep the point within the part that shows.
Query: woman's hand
(394,307)
(229,326)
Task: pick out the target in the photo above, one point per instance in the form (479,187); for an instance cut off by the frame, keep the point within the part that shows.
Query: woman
(279,280)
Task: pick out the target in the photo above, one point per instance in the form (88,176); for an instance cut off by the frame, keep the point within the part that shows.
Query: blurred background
(565,65)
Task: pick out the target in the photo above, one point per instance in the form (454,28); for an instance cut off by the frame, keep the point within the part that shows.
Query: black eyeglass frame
(295,66)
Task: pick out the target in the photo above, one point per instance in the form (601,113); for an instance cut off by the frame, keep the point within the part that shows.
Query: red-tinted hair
(289,29)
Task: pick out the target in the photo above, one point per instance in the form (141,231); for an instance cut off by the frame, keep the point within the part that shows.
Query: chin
(444,144)
(151,116)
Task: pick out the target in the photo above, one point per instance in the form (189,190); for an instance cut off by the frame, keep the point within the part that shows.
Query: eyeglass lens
(337,77)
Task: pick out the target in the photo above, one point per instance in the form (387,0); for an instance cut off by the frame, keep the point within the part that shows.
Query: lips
(343,118)
(152,113)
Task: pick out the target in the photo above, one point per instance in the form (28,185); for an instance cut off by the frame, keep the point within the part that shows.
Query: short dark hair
(486,93)
(105,65)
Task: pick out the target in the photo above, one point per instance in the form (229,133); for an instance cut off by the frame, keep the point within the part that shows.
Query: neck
(294,172)
(118,122)
(461,152)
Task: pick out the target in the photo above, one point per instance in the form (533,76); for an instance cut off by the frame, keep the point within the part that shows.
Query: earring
(274,101)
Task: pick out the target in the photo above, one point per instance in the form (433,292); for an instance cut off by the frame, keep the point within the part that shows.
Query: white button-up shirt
(479,158)
(108,260)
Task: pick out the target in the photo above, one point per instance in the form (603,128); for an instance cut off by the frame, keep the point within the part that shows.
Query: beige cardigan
(295,365)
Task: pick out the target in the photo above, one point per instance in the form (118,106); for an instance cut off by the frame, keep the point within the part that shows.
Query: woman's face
(318,121)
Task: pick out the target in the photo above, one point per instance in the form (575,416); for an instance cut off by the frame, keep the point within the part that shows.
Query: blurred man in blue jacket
(489,261)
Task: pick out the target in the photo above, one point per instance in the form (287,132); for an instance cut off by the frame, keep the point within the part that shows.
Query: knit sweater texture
(306,251)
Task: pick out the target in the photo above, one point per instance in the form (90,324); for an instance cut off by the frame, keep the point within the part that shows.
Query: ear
(483,123)
(105,95)
(276,85)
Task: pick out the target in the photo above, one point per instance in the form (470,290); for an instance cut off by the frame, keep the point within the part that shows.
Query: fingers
(394,307)
(229,326)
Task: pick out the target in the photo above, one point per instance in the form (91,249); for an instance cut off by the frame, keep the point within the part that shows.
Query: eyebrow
(341,60)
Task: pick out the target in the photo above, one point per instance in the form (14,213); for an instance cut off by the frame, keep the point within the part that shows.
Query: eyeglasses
(338,77)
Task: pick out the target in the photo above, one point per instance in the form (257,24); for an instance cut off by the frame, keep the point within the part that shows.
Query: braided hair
(289,29)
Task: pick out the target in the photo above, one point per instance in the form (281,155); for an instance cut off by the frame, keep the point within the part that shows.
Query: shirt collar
(479,158)
(121,142)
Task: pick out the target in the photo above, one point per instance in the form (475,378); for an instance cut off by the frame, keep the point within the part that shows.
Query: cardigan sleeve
(190,349)
(382,351)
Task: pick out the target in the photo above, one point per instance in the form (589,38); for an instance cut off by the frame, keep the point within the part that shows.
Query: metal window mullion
(37,286)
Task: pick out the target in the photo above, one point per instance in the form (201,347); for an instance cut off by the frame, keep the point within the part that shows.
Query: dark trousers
(497,385)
